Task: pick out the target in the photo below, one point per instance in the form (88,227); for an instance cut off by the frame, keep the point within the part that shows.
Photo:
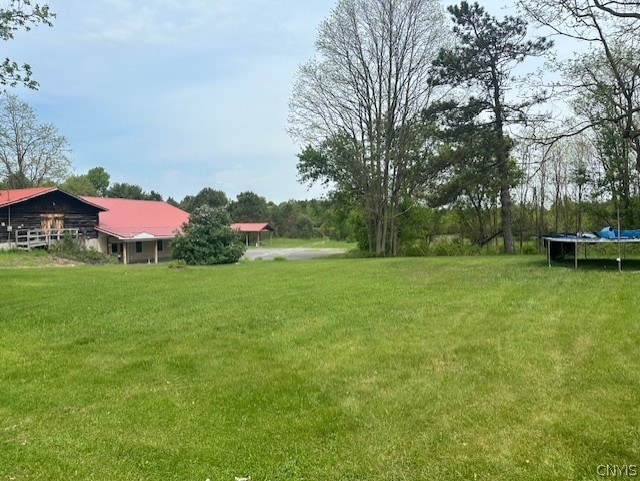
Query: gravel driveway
(291,253)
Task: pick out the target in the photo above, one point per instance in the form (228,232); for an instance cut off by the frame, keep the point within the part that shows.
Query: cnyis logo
(617,470)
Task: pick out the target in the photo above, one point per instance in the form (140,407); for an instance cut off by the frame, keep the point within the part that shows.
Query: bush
(207,239)
(417,248)
(177,264)
(529,248)
(75,249)
(456,247)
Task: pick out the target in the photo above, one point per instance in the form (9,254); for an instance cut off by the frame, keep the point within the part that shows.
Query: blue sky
(176,95)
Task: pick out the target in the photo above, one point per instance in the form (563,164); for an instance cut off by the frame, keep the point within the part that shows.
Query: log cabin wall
(30,213)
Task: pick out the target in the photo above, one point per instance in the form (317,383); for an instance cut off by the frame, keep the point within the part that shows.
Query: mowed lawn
(489,368)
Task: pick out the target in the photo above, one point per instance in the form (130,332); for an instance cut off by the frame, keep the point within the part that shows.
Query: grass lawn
(35,258)
(285,242)
(489,368)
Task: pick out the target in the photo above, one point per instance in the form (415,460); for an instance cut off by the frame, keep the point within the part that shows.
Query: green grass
(34,258)
(51,258)
(495,368)
(282,242)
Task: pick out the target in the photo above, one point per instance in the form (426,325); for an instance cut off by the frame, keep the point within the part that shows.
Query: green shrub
(207,239)
(529,248)
(177,264)
(74,248)
(456,247)
(418,248)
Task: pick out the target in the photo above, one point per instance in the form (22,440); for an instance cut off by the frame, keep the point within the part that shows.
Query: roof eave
(48,191)
(133,238)
(22,199)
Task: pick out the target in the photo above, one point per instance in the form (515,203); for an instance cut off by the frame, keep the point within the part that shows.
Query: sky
(175,95)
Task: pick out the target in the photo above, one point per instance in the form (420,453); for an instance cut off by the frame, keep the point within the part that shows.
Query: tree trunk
(505,210)
(503,168)
(381,237)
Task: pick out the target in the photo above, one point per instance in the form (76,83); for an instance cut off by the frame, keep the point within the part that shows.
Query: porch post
(155,251)
(124,252)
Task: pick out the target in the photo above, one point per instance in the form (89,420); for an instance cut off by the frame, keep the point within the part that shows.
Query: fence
(30,238)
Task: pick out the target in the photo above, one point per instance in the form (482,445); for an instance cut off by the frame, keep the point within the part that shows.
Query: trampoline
(560,245)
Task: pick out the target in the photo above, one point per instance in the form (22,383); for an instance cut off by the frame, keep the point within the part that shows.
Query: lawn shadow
(602,264)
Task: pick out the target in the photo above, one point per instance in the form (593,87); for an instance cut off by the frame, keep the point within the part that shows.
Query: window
(138,247)
(160,245)
(114,248)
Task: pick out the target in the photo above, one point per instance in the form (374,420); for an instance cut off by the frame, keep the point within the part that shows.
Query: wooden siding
(29,214)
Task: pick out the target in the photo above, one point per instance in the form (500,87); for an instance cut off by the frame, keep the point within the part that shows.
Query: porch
(139,251)
(31,238)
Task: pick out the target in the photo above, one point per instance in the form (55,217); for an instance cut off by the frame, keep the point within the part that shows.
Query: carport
(254,228)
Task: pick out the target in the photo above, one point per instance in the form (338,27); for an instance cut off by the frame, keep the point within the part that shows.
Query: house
(133,230)
(248,228)
(34,217)
(137,230)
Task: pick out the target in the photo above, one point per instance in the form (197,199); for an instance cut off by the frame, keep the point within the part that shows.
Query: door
(51,222)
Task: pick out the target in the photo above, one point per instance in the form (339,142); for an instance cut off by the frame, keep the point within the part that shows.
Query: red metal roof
(251,226)
(12,196)
(130,219)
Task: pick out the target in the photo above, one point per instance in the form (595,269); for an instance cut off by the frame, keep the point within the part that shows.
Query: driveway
(290,253)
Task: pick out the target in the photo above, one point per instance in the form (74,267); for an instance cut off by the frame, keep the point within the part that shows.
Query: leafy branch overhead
(20,15)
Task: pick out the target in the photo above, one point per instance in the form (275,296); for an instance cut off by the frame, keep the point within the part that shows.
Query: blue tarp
(607,233)
(611,233)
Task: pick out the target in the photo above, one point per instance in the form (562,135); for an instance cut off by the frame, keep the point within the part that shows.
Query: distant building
(253,229)
(132,230)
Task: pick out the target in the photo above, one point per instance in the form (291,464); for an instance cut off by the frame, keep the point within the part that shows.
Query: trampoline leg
(576,255)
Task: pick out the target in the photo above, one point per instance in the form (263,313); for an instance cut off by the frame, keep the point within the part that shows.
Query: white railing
(29,238)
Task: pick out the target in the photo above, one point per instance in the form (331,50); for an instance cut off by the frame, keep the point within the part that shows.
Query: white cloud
(162,23)
(175,95)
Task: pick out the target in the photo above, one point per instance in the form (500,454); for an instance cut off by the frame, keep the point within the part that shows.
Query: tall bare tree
(619,8)
(611,66)
(356,107)
(30,153)
(615,128)
(604,83)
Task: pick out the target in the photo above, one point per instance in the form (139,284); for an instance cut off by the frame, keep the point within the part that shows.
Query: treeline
(551,199)
(327,218)
(453,115)
(447,132)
